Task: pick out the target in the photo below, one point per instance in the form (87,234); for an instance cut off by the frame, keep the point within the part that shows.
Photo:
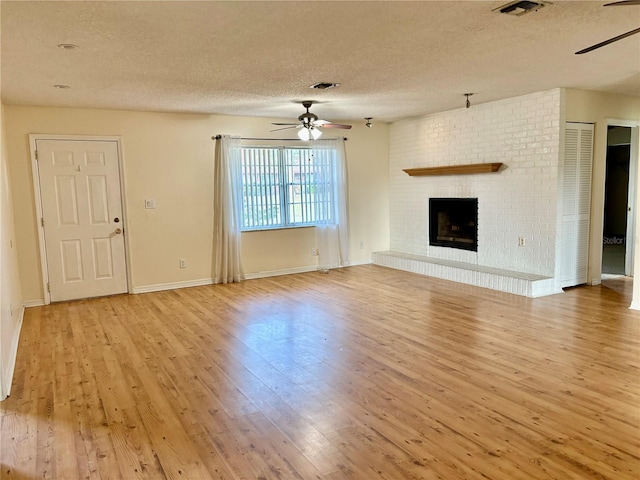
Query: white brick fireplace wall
(519,201)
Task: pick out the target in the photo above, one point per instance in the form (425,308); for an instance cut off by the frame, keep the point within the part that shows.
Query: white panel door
(82,218)
(576,203)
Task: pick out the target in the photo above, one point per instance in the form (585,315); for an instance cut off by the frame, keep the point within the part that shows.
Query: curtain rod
(218,137)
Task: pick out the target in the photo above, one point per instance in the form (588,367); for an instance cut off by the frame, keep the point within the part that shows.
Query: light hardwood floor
(364,373)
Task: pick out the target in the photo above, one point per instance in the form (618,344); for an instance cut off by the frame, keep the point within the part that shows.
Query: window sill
(271,229)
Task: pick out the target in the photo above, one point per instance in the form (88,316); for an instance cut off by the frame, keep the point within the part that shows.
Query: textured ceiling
(394,59)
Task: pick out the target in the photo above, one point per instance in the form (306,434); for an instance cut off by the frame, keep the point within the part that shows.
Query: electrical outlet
(521,242)
(183,263)
(314,252)
(150,203)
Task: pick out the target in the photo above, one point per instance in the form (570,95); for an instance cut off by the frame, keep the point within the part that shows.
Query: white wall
(519,201)
(169,157)
(596,108)
(11,309)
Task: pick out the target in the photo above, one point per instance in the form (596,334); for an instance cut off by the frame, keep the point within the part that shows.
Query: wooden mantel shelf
(454,169)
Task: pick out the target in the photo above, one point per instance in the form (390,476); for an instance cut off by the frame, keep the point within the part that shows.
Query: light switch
(150,203)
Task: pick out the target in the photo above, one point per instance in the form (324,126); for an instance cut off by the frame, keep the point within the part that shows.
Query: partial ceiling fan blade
(607,42)
(622,3)
(336,125)
(275,123)
(284,128)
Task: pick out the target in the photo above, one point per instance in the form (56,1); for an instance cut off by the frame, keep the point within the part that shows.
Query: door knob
(118,231)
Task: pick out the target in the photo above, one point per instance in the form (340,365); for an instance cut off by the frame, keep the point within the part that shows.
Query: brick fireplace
(518,202)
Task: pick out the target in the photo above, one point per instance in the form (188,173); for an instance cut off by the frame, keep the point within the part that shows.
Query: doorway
(77,183)
(619,194)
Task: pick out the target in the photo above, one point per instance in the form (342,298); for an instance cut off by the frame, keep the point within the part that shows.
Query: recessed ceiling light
(67,46)
(324,85)
(61,86)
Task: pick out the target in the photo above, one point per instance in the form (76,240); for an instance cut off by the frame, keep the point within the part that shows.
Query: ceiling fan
(619,37)
(309,125)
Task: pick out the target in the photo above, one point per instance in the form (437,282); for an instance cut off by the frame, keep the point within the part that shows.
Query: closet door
(575,191)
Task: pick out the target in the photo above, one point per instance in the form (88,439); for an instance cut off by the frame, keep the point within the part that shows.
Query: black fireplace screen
(453,222)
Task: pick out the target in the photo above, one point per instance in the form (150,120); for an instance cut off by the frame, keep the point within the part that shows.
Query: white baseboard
(13,356)
(277,273)
(355,264)
(350,264)
(172,286)
(291,271)
(209,281)
(634,306)
(33,303)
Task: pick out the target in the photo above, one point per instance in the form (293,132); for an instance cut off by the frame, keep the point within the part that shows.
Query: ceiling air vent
(324,85)
(520,7)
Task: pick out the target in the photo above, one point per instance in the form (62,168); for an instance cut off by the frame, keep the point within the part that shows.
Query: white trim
(355,264)
(293,271)
(125,213)
(159,287)
(277,273)
(622,123)
(248,276)
(13,356)
(39,302)
(633,175)
(632,214)
(33,137)
(632,218)
(38,203)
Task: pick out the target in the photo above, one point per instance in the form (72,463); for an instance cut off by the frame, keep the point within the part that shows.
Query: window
(286,187)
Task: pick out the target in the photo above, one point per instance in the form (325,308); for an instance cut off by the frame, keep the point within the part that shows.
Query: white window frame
(312,206)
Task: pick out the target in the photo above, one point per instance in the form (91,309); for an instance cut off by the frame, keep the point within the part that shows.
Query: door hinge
(36,154)
(42,221)
(48,287)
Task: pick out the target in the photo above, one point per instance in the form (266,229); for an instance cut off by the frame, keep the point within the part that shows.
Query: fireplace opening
(453,222)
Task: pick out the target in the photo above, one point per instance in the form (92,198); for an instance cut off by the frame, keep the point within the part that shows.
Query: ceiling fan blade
(283,128)
(336,125)
(607,42)
(275,123)
(622,3)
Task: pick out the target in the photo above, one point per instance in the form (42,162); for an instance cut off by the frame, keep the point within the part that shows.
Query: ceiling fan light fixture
(368,124)
(304,134)
(309,125)
(316,133)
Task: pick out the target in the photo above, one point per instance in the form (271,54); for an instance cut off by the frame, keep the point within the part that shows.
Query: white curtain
(227,211)
(332,234)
